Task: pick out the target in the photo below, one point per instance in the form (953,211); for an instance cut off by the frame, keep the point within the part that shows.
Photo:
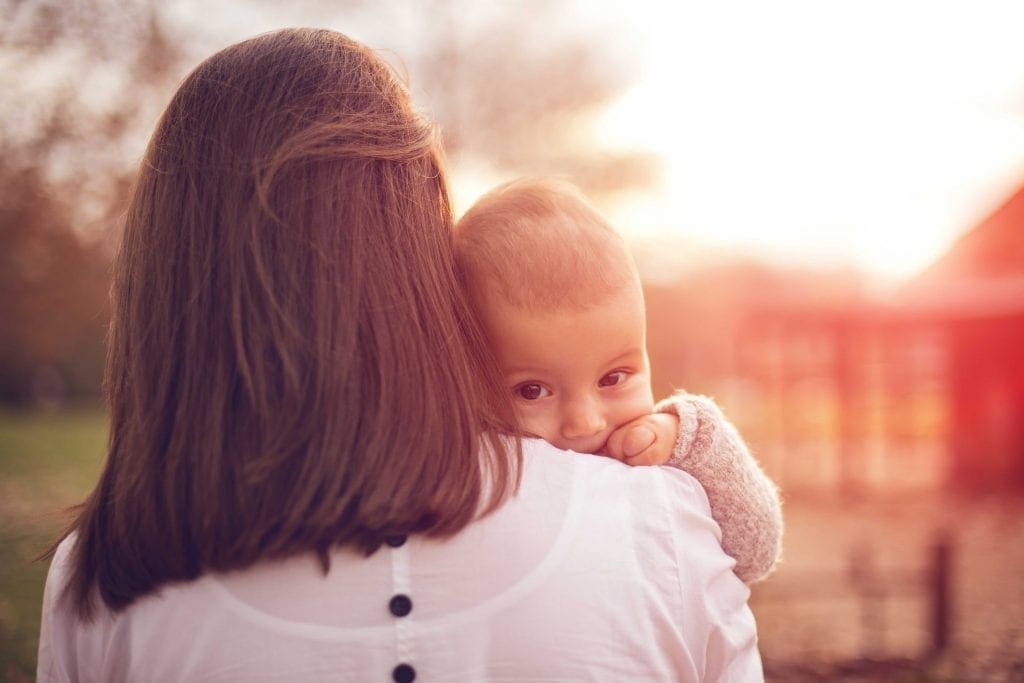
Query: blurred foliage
(518,87)
(76,78)
(85,81)
(54,302)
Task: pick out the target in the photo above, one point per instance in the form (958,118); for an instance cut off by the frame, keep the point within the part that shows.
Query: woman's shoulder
(62,555)
(652,523)
(58,574)
(141,641)
(606,478)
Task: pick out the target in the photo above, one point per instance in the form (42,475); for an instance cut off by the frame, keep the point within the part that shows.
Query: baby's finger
(637,440)
(649,456)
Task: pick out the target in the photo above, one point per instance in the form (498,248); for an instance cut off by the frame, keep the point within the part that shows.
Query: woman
(296,486)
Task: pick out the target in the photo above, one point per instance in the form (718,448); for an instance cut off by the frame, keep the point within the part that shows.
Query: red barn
(925,389)
(975,295)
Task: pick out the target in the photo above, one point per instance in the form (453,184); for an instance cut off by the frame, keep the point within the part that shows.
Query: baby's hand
(647,440)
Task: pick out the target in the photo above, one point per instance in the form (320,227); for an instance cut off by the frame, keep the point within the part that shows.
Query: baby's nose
(583,421)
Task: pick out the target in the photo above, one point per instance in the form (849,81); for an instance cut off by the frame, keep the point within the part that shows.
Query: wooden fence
(870,586)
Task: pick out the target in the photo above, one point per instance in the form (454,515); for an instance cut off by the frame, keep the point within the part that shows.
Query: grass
(47,463)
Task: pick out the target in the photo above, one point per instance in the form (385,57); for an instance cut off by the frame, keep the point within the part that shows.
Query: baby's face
(574,375)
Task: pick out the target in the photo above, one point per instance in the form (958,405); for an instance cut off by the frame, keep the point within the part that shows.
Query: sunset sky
(868,133)
(814,133)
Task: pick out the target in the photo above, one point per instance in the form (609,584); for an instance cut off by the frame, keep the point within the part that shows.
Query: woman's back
(593,571)
(294,372)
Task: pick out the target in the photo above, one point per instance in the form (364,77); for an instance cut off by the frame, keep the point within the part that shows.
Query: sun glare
(825,133)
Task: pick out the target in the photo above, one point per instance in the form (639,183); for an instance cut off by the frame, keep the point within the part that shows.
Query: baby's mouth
(596,447)
(593,448)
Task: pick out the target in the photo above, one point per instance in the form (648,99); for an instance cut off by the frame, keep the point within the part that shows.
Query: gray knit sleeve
(744,501)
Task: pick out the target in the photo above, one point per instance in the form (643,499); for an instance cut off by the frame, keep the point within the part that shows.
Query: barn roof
(982,273)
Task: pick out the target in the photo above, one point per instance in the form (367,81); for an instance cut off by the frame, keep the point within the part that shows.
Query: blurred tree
(77,79)
(54,296)
(516,87)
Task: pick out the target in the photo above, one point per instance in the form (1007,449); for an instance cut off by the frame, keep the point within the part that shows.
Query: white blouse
(593,571)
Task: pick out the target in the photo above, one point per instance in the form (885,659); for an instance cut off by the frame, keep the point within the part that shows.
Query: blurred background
(825,200)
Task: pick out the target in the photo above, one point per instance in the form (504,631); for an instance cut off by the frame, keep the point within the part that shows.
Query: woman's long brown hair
(291,363)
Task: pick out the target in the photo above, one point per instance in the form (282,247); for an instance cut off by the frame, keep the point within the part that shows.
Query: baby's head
(560,298)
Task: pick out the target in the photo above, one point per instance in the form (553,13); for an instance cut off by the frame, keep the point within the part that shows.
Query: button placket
(400,605)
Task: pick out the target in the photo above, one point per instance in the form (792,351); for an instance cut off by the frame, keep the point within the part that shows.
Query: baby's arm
(744,501)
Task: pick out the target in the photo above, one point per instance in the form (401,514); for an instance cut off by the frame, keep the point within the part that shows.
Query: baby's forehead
(543,301)
(551,294)
(551,265)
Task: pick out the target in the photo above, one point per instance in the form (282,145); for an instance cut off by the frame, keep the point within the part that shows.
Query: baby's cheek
(535,421)
(638,403)
(644,396)
(648,397)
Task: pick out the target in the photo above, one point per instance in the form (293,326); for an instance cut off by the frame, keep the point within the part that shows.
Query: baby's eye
(612,378)
(531,391)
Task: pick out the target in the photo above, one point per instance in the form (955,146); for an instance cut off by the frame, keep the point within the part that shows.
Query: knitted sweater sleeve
(744,501)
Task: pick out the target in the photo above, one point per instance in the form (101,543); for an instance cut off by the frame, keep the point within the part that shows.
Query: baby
(561,302)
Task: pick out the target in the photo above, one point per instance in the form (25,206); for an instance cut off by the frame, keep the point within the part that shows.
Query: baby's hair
(539,244)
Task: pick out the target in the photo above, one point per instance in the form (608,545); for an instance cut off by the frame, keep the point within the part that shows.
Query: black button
(400,605)
(396,541)
(403,673)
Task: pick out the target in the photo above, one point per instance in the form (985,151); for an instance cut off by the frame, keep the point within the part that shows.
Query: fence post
(940,587)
